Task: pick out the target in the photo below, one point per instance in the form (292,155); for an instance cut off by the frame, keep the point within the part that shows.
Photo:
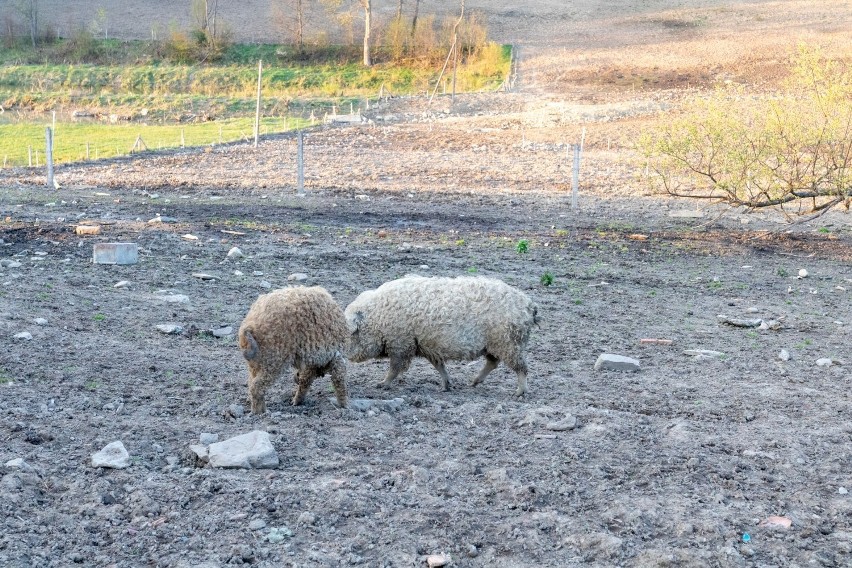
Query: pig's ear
(354,321)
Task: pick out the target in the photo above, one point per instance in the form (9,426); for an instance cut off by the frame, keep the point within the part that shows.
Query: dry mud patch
(668,466)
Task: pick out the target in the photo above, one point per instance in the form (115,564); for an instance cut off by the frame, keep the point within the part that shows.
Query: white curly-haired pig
(442,319)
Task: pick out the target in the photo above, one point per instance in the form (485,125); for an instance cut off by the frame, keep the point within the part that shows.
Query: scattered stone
(169,328)
(655,341)
(189,237)
(257,273)
(688,214)
(824,362)
(424,267)
(610,362)
(203,276)
(769,324)
(9,263)
(238,272)
(206,438)
(367,404)
(252,450)
(784,355)
(20,464)
(87,229)
(122,284)
(226,331)
(777,522)
(307,518)
(278,534)
(703,353)
(438,560)
(739,322)
(235,252)
(840,490)
(25,335)
(297,277)
(265,284)
(472,551)
(567,423)
(171,298)
(235,411)
(752,310)
(257,524)
(201,454)
(803,273)
(113,455)
(162,219)
(115,253)
(40,321)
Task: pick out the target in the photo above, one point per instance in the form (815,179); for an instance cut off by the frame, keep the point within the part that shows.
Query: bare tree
(291,17)
(414,18)
(365,4)
(29,10)
(205,12)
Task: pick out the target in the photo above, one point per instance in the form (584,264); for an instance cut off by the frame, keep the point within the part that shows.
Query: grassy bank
(20,143)
(43,87)
(204,102)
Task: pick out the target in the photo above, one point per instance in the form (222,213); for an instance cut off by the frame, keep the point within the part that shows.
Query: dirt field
(672,465)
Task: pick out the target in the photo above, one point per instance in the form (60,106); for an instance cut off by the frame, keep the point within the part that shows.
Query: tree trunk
(33,6)
(399,10)
(414,18)
(212,23)
(300,24)
(367,17)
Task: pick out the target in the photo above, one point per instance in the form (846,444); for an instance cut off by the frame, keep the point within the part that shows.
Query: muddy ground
(668,466)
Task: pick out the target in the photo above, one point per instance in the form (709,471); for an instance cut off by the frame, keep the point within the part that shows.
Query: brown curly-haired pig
(294,327)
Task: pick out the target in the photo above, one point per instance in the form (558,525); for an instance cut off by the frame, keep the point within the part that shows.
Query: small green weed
(714,284)
(824,230)
(92,384)
(472,270)
(99,317)
(546,279)
(460,243)
(523,246)
(782,272)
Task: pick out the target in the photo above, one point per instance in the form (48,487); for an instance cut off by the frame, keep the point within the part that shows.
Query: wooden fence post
(575,181)
(48,135)
(300,167)
(257,112)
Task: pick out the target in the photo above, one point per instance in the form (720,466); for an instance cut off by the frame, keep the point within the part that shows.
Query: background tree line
(389,30)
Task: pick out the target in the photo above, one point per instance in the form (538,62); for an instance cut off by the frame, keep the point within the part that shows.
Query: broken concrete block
(116,253)
(610,362)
